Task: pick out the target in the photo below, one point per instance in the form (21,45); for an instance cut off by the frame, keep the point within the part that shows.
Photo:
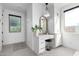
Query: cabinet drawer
(41,49)
(41,44)
(41,41)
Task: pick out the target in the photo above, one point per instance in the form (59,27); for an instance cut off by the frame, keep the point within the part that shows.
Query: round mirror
(43,24)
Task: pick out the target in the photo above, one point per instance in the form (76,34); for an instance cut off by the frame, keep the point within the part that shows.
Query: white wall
(29,26)
(0,27)
(38,11)
(10,38)
(51,18)
(70,40)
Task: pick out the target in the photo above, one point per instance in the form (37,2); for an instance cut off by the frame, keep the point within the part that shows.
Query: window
(14,23)
(72,19)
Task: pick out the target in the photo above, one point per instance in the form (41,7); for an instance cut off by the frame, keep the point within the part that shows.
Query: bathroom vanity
(39,41)
(39,45)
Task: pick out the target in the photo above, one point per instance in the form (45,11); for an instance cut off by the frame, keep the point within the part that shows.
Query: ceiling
(23,6)
(60,5)
(18,6)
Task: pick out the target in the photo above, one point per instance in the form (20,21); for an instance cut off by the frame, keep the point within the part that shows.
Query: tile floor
(60,51)
(21,49)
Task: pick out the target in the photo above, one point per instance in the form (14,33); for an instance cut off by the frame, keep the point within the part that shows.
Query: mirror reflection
(43,24)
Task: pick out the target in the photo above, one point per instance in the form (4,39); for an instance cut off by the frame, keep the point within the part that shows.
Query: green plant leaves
(35,28)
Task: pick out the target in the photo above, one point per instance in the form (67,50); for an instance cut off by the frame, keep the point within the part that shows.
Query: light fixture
(46,14)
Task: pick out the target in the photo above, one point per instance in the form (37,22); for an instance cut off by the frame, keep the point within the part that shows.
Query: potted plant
(37,29)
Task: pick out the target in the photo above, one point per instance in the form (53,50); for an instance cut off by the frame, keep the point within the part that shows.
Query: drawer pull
(42,42)
(43,48)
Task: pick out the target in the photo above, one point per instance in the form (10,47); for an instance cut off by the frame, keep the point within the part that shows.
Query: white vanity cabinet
(39,43)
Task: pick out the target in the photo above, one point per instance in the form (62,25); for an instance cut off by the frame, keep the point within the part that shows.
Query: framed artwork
(14,23)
